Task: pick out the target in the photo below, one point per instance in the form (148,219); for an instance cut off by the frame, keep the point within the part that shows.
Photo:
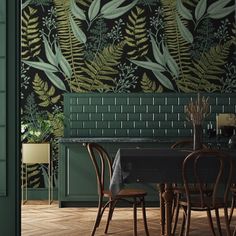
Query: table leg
(168,198)
(161,188)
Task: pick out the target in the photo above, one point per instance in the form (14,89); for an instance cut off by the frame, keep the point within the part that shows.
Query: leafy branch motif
(30,36)
(99,73)
(127,78)
(179,47)
(217,10)
(46,94)
(72,49)
(97,40)
(229,80)
(56,63)
(33,176)
(150,86)
(35,124)
(204,39)
(207,70)
(136,37)
(56,119)
(164,62)
(110,10)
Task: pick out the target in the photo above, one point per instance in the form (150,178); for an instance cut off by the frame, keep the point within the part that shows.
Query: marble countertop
(134,140)
(108,139)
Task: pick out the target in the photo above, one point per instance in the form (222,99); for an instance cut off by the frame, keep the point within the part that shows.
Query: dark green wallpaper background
(118,46)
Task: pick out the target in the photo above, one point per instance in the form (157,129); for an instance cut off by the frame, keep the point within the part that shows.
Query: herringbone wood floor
(40,219)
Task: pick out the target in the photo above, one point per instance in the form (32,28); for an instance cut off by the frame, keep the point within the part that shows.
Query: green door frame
(10,202)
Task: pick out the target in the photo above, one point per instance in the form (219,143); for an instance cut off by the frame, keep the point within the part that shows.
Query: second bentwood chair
(103,168)
(186,144)
(233,201)
(199,166)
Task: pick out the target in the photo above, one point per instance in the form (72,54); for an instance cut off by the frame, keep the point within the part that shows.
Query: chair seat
(181,189)
(196,203)
(124,193)
(233,190)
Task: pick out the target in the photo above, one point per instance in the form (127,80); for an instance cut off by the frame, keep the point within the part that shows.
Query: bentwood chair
(199,166)
(185,144)
(103,168)
(178,190)
(233,201)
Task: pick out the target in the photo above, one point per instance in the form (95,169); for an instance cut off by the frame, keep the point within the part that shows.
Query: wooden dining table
(152,165)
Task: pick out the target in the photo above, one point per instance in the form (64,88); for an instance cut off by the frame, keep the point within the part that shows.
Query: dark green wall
(3,99)
(158,46)
(9,52)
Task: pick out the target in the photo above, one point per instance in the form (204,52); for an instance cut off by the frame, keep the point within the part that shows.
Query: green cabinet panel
(77,180)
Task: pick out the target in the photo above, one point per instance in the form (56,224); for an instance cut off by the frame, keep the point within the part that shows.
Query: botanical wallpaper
(118,46)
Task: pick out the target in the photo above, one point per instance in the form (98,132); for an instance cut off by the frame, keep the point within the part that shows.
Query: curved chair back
(102,165)
(185,143)
(207,166)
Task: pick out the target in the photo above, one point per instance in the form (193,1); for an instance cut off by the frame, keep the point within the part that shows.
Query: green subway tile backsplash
(109,133)
(96,132)
(121,132)
(136,115)
(95,116)
(115,109)
(108,116)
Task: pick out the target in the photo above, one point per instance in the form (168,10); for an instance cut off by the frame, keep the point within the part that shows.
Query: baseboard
(40,194)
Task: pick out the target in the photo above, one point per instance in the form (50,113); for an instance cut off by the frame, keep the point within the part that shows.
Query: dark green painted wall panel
(9,203)
(3,108)
(2,74)
(2,39)
(2,143)
(2,177)
(2,101)
(2,10)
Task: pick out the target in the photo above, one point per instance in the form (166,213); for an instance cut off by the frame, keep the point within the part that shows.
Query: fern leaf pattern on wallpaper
(33,175)
(72,49)
(100,73)
(136,34)
(150,86)
(84,3)
(178,47)
(207,71)
(46,94)
(30,37)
